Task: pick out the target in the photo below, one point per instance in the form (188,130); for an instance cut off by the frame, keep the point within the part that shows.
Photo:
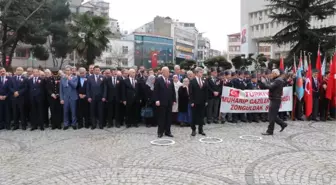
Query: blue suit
(19,84)
(37,97)
(68,94)
(5,83)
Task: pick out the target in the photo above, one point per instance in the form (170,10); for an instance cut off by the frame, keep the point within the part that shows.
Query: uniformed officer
(265,74)
(227,82)
(52,84)
(253,85)
(239,83)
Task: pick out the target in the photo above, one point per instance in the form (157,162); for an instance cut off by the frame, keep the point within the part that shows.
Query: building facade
(214,53)
(203,48)
(233,45)
(150,48)
(119,53)
(256,25)
(184,35)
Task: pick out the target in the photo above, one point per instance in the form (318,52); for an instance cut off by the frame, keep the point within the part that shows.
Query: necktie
(34,80)
(96,78)
(167,83)
(200,82)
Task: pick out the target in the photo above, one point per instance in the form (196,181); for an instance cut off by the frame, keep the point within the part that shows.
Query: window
(108,61)
(266,26)
(125,49)
(271,24)
(262,27)
(21,53)
(124,62)
(257,27)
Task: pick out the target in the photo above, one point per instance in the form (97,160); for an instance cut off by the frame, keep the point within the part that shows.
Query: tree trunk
(11,53)
(4,44)
(62,61)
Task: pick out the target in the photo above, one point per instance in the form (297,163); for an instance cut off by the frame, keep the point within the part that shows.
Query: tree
(188,64)
(240,61)
(23,21)
(89,35)
(297,14)
(59,41)
(218,61)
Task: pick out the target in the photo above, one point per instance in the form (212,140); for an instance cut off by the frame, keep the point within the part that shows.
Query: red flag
(282,66)
(319,67)
(154,56)
(330,83)
(294,66)
(308,95)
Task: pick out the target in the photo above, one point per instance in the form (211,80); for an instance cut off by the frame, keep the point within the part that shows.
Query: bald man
(164,97)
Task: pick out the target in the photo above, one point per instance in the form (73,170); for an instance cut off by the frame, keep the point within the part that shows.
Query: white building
(233,46)
(97,7)
(257,26)
(203,50)
(74,5)
(120,53)
(214,53)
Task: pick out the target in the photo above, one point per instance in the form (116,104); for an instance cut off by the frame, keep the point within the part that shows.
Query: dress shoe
(128,126)
(136,125)
(300,119)
(223,122)
(65,128)
(92,128)
(267,134)
(202,133)
(109,126)
(79,127)
(32,129)
(193,133)
(15,128)
(74,127)
(101,127)
(148,126)
(42,128)
(117,126)
(169,135)
(160,135)
(283,127)
(24,128)
(216,122)
(53,128)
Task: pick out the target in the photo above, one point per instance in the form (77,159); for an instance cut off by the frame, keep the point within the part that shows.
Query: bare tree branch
(24,21)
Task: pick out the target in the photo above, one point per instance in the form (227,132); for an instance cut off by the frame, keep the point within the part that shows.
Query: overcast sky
(217,18)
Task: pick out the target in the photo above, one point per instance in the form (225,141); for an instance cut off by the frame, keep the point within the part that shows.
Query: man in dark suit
(316,96)
(83,109)
(52,86)
(96,93)
(198,99)
(113,87)
(5,83)
(18,89)
(132,100)
(164,97)
(214,95)
(37,96)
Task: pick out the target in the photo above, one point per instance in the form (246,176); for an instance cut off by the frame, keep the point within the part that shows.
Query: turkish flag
(234,93)
(308,95)
(282,66)
(154,59)
(330,84)
(319,67)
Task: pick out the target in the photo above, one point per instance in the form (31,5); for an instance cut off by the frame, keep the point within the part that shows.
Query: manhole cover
(251,138)
(162,142)
(211,140)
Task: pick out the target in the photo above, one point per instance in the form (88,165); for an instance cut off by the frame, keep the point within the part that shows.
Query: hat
(247,73)
(54,70)
(254,75)
(222,73)
(267,72)
(282,72)
(227,73)
(240,73)
(233,73)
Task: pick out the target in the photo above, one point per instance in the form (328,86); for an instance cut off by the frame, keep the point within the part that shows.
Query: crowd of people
(77,98)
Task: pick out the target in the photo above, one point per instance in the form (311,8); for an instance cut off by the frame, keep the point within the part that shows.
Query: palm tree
(89,36)
(299,33)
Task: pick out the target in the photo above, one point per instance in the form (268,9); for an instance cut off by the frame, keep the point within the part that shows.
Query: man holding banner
(275,93)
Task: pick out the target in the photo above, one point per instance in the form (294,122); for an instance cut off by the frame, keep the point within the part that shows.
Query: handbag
(147,112)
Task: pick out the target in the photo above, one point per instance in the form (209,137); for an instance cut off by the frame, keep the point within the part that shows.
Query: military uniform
(252,85)
(239,83)
(53,85)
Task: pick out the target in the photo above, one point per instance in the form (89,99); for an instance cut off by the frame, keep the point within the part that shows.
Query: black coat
(113,90)
(214,86)
(275,88)
(198,95)
(183,99)
(163,93)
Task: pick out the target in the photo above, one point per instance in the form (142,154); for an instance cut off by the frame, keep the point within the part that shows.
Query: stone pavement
(304,154)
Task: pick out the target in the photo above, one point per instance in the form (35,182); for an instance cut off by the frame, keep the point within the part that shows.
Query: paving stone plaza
(304,154)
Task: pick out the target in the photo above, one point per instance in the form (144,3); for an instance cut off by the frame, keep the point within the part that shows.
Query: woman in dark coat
(184,108)
(149,88)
